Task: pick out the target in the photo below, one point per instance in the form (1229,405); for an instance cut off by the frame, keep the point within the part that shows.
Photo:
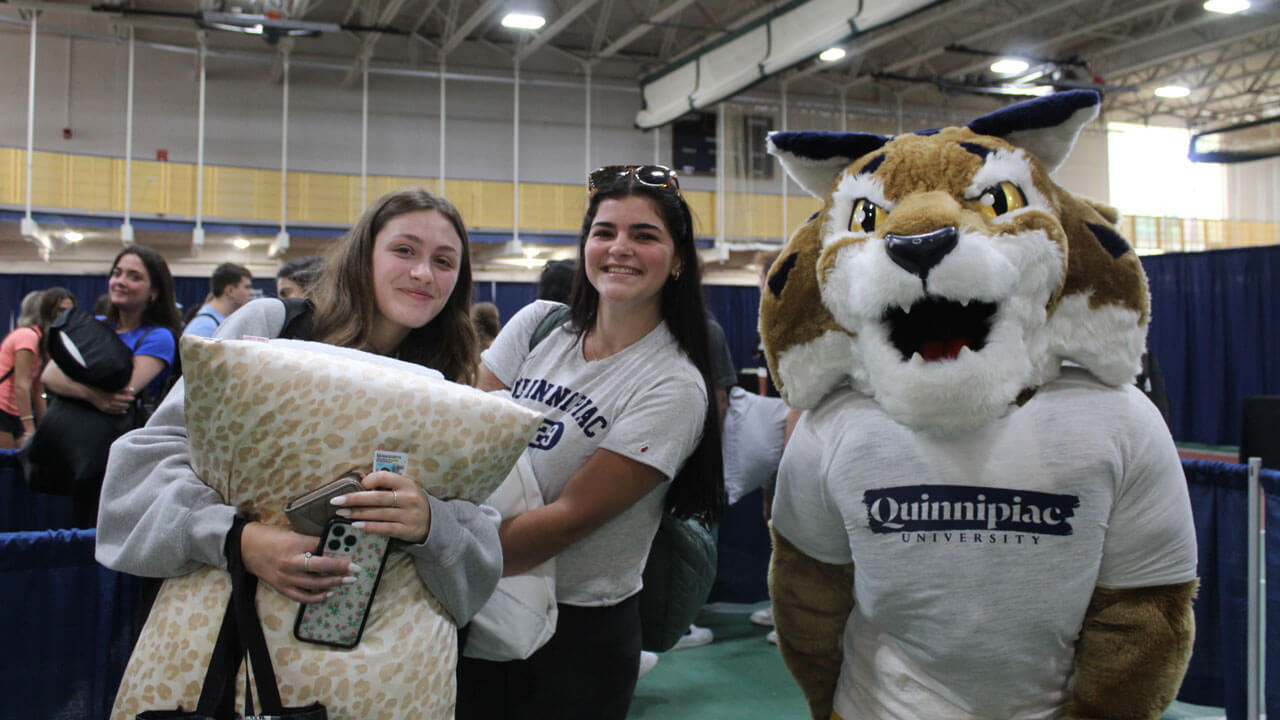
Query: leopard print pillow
(267,421)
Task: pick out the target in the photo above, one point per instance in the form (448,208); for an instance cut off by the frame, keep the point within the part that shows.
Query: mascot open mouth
(938,328)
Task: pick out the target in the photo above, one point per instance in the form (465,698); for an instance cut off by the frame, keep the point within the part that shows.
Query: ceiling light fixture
(72,236)
(832,54)
(1172,91)
(523,21)
(1009,66)
(1226,7)
(241,243)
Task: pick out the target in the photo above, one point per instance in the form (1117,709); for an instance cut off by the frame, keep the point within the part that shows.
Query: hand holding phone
(339,620)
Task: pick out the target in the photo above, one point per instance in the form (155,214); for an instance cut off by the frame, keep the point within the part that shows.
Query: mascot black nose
(917,254)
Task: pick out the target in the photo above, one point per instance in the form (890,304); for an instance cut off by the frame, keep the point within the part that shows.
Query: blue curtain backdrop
(1219,505)
(1215,328)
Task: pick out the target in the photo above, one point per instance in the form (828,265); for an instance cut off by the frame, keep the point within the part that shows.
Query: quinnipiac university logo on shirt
(926,510)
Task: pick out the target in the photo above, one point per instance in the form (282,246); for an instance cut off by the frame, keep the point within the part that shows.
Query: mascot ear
(814,159)
(1046,127)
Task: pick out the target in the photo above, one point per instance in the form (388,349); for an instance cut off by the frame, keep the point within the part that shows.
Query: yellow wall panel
(319,197)
(149,186)
(95,184)
(12,170)
(49,175)
(703,206)
(89,183)
(492,203)
(181,197)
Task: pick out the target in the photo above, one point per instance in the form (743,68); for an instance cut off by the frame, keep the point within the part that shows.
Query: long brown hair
(345,303)
(163,310)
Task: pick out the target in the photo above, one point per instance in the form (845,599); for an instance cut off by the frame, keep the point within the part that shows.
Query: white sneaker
(772,637)
(763,617)
(696,637)
(647,661)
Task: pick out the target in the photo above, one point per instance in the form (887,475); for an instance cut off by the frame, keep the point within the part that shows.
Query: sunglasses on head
(659,176)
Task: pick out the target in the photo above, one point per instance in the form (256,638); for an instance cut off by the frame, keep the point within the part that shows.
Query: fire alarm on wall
(66,133)
(162,155)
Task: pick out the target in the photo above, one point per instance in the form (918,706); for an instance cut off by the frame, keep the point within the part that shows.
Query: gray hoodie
(157,519)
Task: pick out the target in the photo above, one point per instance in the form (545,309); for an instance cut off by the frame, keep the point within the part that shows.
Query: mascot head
(946,275)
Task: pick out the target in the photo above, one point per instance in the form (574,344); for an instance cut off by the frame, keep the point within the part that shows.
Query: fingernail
(348,580)
(359,524)
(344,512)
(354,568)
(338,500)
(328,595)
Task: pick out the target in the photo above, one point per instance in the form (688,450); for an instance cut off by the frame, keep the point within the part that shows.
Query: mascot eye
(866,215)
(1000,199)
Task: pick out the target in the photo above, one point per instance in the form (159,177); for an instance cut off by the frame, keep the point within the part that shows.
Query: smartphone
(309,512)
(338,621)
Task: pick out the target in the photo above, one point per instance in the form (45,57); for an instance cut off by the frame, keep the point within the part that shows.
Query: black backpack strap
(6,375)
(549,322)
(299,313)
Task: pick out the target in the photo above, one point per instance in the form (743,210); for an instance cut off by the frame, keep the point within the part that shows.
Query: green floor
(740,676)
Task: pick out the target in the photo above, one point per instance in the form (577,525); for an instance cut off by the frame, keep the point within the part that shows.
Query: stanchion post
(1256,594)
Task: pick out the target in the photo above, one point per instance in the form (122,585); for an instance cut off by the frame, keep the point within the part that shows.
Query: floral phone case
(339,621)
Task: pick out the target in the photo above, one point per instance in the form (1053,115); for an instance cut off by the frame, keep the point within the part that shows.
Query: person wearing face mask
(143,312)
(398,285)
(630,429)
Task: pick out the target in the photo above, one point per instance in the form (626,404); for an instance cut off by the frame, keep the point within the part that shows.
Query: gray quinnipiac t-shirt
(646,403)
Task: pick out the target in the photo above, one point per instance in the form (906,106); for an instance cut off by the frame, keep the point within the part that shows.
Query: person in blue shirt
(144,313)
(232,288)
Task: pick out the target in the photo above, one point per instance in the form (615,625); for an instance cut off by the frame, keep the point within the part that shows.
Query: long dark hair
(345,302)
(163,310)
(698,488)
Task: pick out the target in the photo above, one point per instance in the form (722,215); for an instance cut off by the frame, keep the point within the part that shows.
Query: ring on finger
(395,500)
(306,562)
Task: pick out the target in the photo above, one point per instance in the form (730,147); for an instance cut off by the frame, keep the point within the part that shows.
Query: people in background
(231,288)
(22,359)
(640,434)
(399,285)
(555,282)
(143,312)
(294,277)
(484,316)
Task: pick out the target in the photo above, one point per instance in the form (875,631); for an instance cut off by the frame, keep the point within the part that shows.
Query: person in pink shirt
(22,358)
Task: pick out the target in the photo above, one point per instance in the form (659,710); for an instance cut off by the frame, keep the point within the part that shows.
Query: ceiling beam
(480,15)
(988,31)
(1057,39)
(891,34)
(555,28)
(364,53)
(643,28)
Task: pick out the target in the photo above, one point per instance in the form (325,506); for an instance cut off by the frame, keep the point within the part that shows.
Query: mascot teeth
(938,329)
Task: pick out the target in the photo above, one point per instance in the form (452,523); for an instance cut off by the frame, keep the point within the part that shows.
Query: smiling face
(415,261)
(629,254)
(129,285)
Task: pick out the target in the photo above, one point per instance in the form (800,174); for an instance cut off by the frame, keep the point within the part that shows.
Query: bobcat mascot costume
(978,516)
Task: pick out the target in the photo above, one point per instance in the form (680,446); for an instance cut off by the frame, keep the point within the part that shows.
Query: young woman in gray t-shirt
(629,430)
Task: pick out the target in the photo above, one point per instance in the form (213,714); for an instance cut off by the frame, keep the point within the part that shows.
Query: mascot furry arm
(979,516)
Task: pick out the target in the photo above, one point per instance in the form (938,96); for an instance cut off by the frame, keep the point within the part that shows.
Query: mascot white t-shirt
(975,556)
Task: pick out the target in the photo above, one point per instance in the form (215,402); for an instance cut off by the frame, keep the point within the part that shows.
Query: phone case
(309,512)
(339,621)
